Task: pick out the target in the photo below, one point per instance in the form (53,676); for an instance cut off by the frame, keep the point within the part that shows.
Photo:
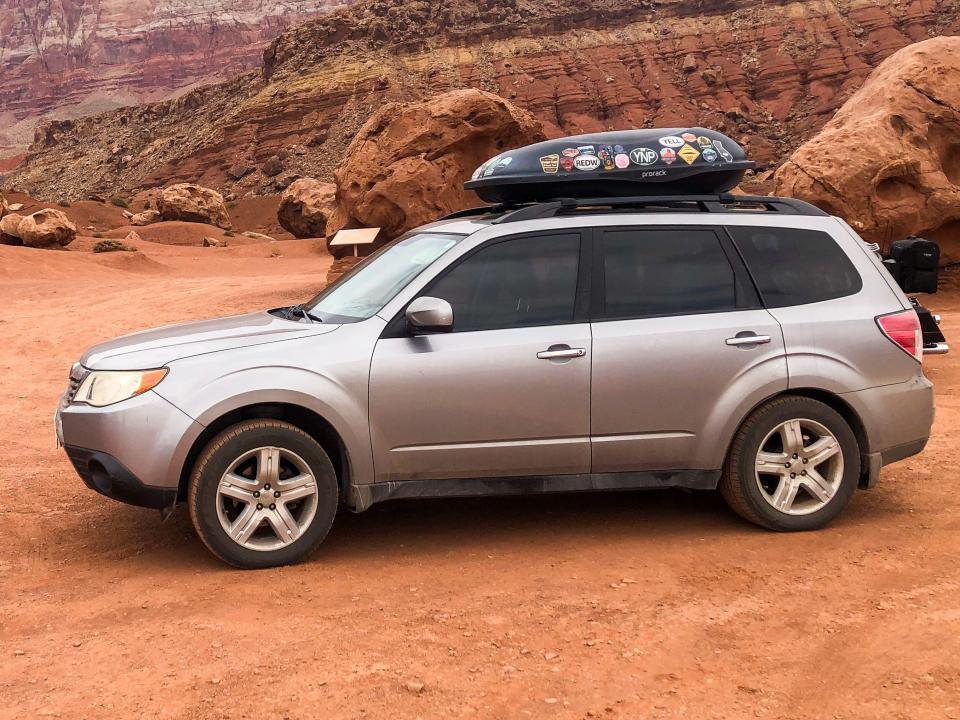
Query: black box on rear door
(915,264)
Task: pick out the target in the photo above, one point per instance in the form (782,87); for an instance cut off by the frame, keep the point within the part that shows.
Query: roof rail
(699,203)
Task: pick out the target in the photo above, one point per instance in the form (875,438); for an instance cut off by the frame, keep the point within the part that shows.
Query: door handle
(563,352)
(748,338)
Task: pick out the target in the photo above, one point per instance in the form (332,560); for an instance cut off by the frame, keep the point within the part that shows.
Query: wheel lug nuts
(804,461)
(256,493)
(259,506)
(793,475)
(803,472)
(795,456)
(272,506)
(786,464)
(276,493)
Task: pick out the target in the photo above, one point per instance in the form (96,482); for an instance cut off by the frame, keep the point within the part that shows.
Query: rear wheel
(263,493)
(794,465)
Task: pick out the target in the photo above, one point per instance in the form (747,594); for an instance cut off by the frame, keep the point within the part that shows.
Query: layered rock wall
(769,75)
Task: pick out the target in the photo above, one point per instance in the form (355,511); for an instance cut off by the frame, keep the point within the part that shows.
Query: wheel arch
(831,400)
(311,422)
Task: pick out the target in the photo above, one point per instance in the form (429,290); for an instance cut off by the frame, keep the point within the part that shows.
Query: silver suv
(755,345)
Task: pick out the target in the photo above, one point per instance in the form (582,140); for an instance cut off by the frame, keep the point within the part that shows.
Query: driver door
(507,392)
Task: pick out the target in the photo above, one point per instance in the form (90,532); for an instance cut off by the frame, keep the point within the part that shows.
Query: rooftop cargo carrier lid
(673,161)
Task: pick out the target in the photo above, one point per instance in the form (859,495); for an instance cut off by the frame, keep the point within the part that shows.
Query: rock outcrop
(68,59)
(769,75)
(889,161)
(193,203)
(408,163)
(46,228)
(307,207)
(147,217)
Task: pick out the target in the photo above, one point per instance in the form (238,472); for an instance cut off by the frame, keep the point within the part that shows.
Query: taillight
(903,328)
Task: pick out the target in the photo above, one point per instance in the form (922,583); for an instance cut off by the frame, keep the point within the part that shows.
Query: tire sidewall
(764,422)
(230,445)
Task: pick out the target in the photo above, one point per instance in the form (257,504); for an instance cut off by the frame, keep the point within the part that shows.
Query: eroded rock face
(889,160)
(408,163)
(306,208)
(46,228)
(193,203)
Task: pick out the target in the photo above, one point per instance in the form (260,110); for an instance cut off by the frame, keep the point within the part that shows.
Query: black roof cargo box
(673,161)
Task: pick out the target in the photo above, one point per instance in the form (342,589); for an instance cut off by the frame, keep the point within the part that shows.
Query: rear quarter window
(795,267)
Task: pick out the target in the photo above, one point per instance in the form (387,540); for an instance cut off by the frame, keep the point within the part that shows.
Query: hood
(155,348)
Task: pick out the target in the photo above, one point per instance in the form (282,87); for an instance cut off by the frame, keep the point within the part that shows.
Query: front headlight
(106,387)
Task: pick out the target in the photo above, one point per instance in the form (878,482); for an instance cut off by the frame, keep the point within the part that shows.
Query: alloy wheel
(267,498)
(799,467)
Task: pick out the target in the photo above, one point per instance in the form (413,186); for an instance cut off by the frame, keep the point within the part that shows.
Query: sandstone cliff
(68,58)
(769,75)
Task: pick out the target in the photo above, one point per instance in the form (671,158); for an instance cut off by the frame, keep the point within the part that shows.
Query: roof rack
(699,203)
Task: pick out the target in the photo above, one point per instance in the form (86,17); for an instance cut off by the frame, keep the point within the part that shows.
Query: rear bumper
(105,474)
(896,421)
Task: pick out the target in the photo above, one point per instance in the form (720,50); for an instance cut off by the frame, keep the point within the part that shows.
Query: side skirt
(363,496)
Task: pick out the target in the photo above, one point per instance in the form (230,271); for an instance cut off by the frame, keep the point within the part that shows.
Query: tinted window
(665,272)
(794,267)
(515,283)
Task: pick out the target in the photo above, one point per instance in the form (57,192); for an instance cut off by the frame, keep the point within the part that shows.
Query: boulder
(407,164)
(889,160)
(214,242)
(257,236)
(145,218)
(307,208)
(9,224)
(272,166)
(46,228)
(133,236)
(14,207)
(193,203)
(4,207)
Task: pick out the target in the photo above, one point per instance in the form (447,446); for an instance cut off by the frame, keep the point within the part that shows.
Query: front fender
(304,372)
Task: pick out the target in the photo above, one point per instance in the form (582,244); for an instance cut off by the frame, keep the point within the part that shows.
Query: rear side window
(665,272)
(796,267)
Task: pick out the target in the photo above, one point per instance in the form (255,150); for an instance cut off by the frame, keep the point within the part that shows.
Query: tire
(269,529)
(760,488)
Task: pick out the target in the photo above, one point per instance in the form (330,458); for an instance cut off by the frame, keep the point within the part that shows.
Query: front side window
(650,272)
(520,282)
(361,293)
(792,266)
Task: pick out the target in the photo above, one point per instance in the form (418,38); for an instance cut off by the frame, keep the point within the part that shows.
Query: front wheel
(794,465)
(263,493)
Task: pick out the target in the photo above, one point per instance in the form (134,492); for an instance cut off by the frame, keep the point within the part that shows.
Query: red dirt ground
(634,605)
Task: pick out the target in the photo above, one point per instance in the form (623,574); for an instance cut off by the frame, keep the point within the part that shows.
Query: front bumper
(107,475)
(132,451)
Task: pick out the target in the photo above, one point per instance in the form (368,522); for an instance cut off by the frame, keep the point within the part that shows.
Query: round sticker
(566,163)
(570,152)
(703,141)
(671,141)
(689,136)
(668,156)
(622,161)
(586,162)
(709,154)
(643,156)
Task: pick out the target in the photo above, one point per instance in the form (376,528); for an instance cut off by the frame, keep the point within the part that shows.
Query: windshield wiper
(306,315)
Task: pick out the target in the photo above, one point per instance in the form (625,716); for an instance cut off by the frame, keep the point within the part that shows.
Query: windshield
(363,291)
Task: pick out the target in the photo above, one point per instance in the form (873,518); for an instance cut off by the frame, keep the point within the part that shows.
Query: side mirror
(430,314)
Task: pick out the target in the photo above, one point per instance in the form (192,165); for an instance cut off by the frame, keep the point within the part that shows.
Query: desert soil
(634,605)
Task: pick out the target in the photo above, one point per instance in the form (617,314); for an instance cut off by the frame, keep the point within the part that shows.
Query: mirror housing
(430,314)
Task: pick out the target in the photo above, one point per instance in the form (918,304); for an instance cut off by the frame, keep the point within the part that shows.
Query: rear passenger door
(681,349)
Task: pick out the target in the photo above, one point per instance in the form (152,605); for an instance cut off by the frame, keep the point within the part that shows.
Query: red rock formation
(769,75)
(408,163)
(68,58)
(889,161)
